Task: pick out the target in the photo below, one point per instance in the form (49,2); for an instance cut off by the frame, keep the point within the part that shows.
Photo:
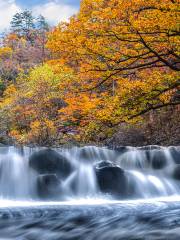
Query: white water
(88,201)
(18,180)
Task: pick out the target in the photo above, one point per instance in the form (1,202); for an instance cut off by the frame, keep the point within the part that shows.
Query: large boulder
(90,154)
(111,179)
(87,154)
(175,154)
(176,172)
(158,159)
(150,147)
(48,186)
(49,161)
(119,149)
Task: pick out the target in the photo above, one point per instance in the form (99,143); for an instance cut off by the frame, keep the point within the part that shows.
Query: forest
(110,75)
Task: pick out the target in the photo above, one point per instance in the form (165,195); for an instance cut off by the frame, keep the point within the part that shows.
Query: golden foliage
(111,63)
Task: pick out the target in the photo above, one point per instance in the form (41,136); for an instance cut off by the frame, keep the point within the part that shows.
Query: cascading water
(16,179)
(90,193)
(124,173)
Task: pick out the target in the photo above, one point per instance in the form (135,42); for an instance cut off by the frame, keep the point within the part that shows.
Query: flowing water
(83,208)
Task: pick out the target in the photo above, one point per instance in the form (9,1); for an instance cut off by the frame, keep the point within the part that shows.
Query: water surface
(91,220)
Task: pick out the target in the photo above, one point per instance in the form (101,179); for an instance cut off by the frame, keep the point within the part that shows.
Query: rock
(119,149)
(87,154)
(158,159)
(48,186)
(111,179)
(2,145)
(90,154)
(150,147)
(49,161)
(176,172)
(127,135)
(132,188)
(175,154)
(103,164)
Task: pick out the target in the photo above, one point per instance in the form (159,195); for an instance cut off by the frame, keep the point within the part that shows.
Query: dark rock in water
(48,186)
(92,153)
(150,147)
(103,164)
(176,172)
(49,161)
(111,179)
(175,154)
(119,149)
(86,153)
(2,145)
(158,159)
(132,188)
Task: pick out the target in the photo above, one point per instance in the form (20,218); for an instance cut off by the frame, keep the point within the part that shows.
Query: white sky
(54,11)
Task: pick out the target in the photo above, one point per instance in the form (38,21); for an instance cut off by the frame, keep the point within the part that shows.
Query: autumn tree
(32,106)
(114,62)
(26,45)
(125,52)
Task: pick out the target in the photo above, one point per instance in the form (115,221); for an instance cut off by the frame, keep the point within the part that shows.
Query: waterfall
(89,172)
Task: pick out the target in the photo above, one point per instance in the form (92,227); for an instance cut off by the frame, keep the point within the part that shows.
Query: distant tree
(28,22)
(23,24)
(42,24)
(16,23)
(41,35)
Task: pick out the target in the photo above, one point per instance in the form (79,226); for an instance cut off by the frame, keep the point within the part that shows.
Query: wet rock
(49,161)
(175,154)
(128,136)
(119,149)
(150,147)
(87,154)
(158,159)
(48,186)
(103,164)
(111,179)
(176,172)
(91,154)
(2,145)
(132,187)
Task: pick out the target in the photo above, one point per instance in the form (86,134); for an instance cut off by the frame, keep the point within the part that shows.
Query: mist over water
(90,193)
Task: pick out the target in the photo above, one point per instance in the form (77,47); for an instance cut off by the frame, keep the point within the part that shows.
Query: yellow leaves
(50,124)
(109,41)
(19,136)
(15,134)
(5,52)
(34,103)
(166,97)
(107,67)
(41,129)
(10,91)
(35,125)
(79,106)
(8,96)
(12,37)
